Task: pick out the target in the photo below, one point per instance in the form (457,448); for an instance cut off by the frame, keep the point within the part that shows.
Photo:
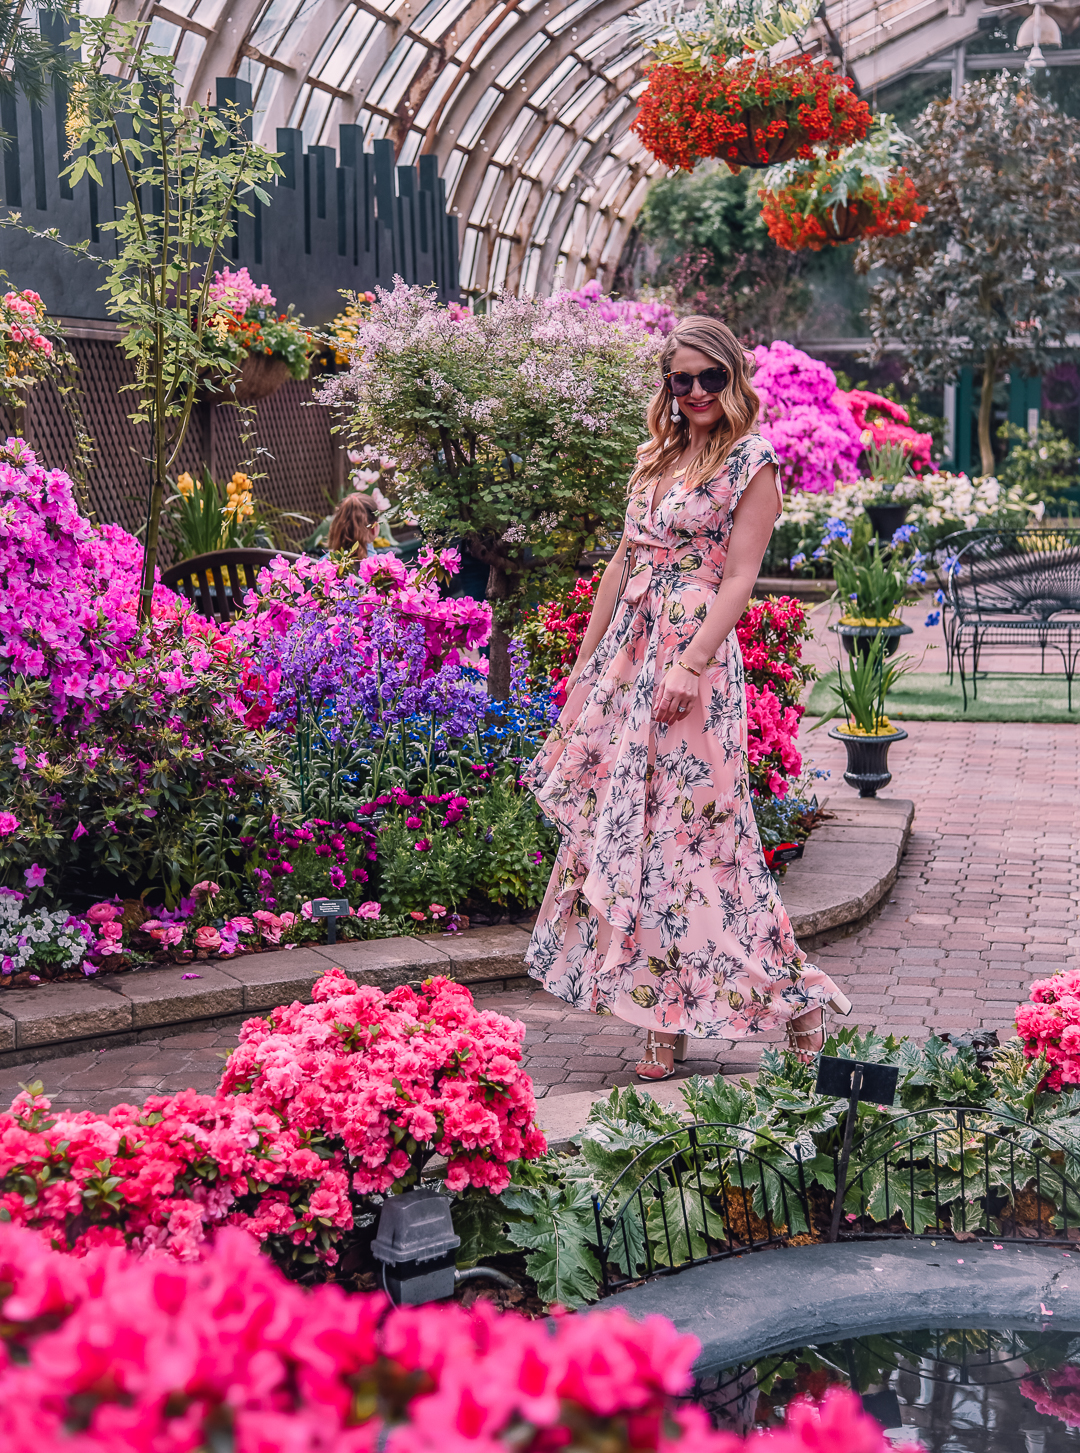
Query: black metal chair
(216,582)
(1016,590)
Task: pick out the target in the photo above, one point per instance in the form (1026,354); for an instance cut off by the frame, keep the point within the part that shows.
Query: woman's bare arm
(607,596)
(751,529)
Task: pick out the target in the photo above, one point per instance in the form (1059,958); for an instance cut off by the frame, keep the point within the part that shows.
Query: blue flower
(799,559)
(917,577)
(939,597)
(951,564)
(933,618)
(904,534)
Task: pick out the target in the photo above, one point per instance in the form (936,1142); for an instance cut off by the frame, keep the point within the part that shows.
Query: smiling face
(702,410)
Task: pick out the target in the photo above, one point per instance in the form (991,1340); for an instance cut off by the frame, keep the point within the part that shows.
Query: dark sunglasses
(712,380)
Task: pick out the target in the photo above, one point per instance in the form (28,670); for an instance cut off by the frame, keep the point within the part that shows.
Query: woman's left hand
(677,695)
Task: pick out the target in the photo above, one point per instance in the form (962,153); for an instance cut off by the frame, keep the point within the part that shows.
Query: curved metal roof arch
(526,103)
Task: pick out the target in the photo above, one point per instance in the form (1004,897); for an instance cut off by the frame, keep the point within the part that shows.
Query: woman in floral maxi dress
(661,909)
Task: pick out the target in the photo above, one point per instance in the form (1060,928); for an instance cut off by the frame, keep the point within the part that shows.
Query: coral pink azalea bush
(319,1105)
(1050,1024)
(112,1352)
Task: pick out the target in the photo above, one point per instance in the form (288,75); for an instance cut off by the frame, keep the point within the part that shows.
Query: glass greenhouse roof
(526,103)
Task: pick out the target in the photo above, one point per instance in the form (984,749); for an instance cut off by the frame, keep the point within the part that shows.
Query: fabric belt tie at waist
(645,576)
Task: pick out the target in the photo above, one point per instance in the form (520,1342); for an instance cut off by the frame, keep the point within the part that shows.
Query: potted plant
(206,516)
(872,582)
(715,93)
(259,347)
(889,463)
(861,192)
(868,733)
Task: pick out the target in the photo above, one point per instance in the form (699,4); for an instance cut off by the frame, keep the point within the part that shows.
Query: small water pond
(954,1391)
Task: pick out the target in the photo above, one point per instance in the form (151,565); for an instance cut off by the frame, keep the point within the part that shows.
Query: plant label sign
(331,909)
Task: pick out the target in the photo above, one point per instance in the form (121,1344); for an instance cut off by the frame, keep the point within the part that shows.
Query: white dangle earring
(675,411)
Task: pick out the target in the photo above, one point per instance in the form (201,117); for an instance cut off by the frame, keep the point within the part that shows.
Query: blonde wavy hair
(740,402)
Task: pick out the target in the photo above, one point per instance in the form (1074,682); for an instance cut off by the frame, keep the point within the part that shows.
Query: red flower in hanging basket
(801,215)
(748,113)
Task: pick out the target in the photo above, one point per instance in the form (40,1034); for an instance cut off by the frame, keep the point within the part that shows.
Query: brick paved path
(986,901)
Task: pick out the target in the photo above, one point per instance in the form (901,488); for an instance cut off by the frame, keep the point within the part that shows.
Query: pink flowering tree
(805,419)
(513,430)
(112,1352)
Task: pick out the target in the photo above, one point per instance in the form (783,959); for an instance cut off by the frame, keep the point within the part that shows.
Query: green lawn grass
(927,696)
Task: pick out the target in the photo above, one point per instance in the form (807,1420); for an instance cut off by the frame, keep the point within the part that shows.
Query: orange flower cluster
(749,114)
(869,213)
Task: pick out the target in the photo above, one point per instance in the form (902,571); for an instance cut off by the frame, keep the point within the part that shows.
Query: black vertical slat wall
(345,220)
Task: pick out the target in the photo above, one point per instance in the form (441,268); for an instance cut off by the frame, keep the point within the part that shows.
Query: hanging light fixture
(1038,29)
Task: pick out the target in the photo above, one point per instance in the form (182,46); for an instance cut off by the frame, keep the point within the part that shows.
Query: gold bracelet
(688,668)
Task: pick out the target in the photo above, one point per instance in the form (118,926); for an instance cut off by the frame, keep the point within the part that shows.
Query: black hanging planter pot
(868,759)
(887,519)
(862,638)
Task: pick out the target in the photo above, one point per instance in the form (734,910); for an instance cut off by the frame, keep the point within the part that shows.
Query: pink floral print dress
(661,909)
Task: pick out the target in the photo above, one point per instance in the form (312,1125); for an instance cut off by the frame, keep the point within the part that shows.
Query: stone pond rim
(773,1301)
(849,866)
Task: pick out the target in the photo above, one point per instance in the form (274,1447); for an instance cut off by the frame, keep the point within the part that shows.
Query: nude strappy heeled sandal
(649,1066)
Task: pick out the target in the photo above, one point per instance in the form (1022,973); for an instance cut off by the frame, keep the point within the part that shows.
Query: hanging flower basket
(861,191)
(806,214)
(747,112)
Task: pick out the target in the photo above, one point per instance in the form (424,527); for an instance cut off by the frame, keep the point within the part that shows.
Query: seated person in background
(355,522)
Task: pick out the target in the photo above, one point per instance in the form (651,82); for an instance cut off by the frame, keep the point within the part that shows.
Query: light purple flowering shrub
(650,317)
(805,419)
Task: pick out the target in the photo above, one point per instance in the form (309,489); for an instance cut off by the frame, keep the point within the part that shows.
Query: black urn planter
(862,638)
(867,759)
(886,519)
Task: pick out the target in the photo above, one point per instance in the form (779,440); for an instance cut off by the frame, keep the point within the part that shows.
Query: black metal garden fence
(698,1195)
(713,1191)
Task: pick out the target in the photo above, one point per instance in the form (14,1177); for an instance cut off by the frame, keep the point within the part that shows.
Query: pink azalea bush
(1050,1024)
(319,1104)
(805,419)
(69,607)
(370,1071)
(651,317)
(1056,1393)
(112,1352)
(891,426)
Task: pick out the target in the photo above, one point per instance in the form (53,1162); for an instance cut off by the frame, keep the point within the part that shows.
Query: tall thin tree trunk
(498,589)
(157,488)
(986,411)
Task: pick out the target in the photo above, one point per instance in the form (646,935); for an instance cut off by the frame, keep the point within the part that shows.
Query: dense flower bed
(747,112)
(320,1105)
(112,1352)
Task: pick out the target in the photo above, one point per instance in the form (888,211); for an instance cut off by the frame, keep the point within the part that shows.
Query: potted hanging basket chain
(747,112)
(860,192)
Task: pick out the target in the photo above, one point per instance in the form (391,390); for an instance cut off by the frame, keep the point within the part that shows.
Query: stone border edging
(858,1289)
(848,867)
